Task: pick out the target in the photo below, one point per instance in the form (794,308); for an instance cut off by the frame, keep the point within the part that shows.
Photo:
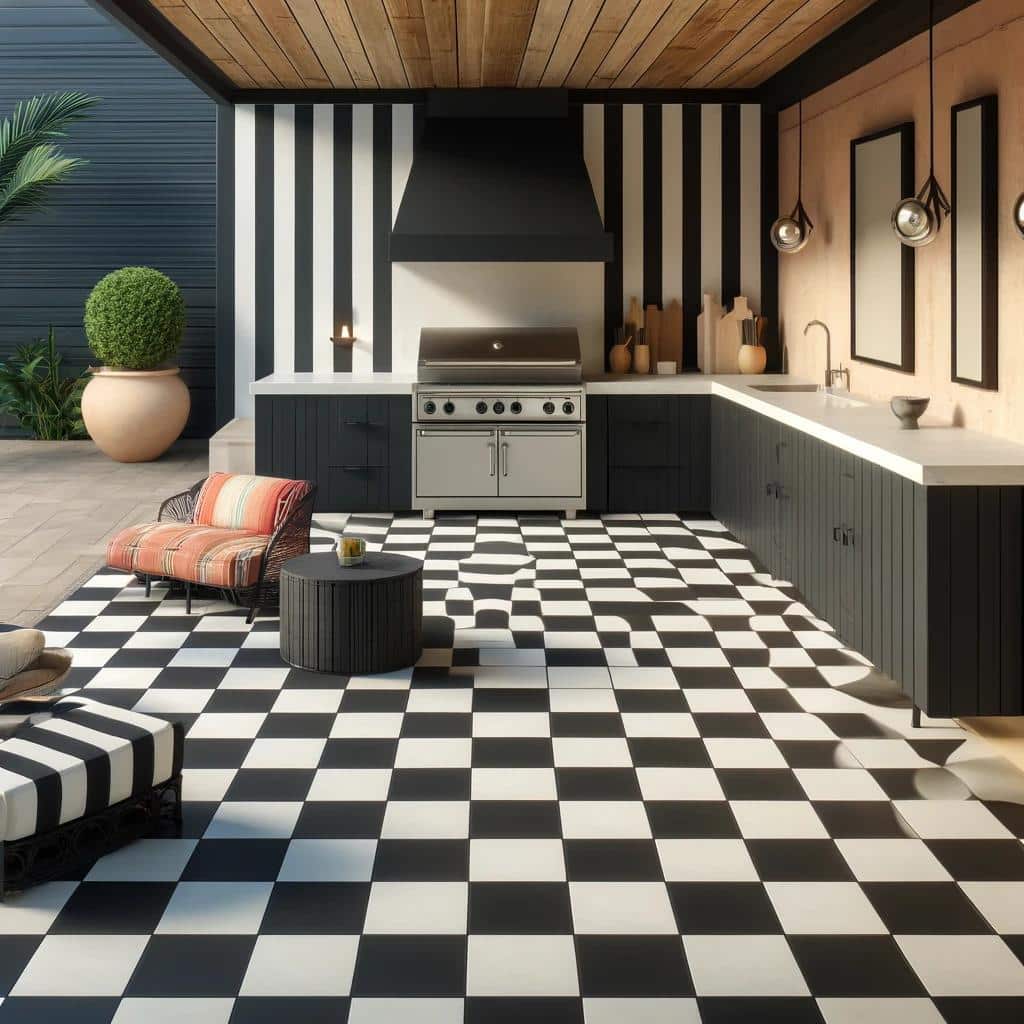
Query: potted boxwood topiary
(135,405)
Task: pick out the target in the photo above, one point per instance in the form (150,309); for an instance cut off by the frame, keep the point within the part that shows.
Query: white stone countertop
(936,454)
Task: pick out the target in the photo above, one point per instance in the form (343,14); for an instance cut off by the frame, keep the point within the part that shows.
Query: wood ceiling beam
(439,19)
(507,25)
(610,22)
(547,26)
(374,28)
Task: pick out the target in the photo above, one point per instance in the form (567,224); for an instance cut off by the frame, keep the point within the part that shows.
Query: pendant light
(917,220)
(791,234)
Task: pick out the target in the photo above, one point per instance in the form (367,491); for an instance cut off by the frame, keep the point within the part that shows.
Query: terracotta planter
(135,415)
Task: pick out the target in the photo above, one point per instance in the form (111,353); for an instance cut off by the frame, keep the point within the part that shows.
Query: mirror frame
(905,132)
(989,158)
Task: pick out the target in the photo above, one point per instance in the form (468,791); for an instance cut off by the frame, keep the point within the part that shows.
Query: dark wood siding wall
(147,197)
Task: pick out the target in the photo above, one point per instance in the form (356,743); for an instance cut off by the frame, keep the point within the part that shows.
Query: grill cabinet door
(456,463)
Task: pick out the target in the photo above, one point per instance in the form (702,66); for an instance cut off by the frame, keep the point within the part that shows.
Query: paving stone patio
(59,503)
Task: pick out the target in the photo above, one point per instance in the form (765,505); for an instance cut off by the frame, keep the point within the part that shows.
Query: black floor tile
(634,965)
(410,965)
(192,965)
(519,908)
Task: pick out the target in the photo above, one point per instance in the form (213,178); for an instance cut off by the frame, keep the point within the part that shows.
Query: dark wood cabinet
(358,450)
(648,454)
(926,582)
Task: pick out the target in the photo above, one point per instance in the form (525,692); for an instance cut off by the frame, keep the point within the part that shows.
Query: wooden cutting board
(652,320)
(670,341)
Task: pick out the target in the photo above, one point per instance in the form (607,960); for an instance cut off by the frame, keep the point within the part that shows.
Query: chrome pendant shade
(790,234)
(916,221)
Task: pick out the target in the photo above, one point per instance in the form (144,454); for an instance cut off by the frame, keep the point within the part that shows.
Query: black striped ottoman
(79,779)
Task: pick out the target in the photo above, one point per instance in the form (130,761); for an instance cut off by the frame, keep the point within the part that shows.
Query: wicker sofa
(230,531)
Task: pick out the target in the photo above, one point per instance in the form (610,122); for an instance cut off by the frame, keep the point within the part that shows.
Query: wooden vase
(752,358)
(619,358)
(642,359)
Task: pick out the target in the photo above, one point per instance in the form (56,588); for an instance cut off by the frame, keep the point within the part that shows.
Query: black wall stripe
(304,238)
(691,232)
(381,238)
(730,203)
(224,374)
(769,254)
(342,231)
(613,223)
(652,204)
(263,310)
(576,124)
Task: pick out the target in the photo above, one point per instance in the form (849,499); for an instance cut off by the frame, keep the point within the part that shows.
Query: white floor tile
(706,860)
(777,819)
(257,819)
(641,1011)
(424,819)
(301,965)
(513,784)
(390,1011)
(892,860)
(516,860)
(215,908)
(1001,904)
(145,860)
(417,908)
(952,819)
(81,965)
(33,911)
(879,1011)
(964,965)
(591,752)
(742,752)
(621,908)
(521,965)
(839,784)
(350,784)
(415,752)
(328,860)
(604,819)
(173,1011)
(679,784)
(743,965)
(824,908)
(284,753)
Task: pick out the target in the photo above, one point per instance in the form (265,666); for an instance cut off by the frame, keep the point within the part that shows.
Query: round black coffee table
(352,620)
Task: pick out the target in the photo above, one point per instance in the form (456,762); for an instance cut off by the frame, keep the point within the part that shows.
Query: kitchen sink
(785,387)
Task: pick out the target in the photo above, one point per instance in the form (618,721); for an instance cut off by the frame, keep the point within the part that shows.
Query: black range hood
(510,185)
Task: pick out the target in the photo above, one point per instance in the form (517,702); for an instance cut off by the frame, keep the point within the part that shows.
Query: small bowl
(908,410)
(351,550)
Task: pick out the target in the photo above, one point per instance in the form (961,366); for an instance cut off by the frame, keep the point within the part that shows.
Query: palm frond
(26,189)
(37,121)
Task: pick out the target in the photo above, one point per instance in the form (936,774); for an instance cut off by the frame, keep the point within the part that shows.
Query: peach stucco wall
(978,51)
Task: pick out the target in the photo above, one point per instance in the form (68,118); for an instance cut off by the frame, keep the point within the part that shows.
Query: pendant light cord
(931,85)
(800,152)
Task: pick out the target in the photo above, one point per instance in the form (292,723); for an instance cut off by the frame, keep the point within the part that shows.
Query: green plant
(135,318)
(34,390)
(30,163)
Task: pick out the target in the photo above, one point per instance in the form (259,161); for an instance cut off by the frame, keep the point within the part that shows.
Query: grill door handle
(491,459)
(504,459)
(455,433)
(540,433)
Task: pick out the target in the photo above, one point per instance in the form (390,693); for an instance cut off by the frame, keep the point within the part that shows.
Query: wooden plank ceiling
(396,44)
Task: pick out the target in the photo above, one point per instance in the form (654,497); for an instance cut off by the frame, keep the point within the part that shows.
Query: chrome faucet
(830,374)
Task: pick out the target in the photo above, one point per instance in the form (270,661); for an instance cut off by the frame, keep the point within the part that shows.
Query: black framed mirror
(974,259)
(881,270)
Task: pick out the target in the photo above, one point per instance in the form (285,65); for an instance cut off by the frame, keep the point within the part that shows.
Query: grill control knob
(549,408)
(449,408)
(499,407)
(430,408)
(568,408)
(516,407)
(481,407)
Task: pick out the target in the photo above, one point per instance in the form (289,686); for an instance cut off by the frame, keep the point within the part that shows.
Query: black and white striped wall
(317,186)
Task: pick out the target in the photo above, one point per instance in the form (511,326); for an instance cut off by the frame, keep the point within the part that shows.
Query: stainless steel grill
(500,420)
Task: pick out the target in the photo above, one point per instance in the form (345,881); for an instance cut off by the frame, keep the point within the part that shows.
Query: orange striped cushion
(203,554)
(240,501)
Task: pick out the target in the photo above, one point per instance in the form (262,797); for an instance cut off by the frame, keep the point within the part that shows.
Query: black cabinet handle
(836,533)
(353,469)
(847,538)
(354,423)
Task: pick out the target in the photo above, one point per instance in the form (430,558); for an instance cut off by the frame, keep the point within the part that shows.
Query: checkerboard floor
(632,778)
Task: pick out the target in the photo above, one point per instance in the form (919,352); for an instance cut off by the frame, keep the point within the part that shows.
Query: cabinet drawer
(357,432)
(643,489)
(357,489)
(642,432)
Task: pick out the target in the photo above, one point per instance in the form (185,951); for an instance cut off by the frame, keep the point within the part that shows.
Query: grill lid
(524,355)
